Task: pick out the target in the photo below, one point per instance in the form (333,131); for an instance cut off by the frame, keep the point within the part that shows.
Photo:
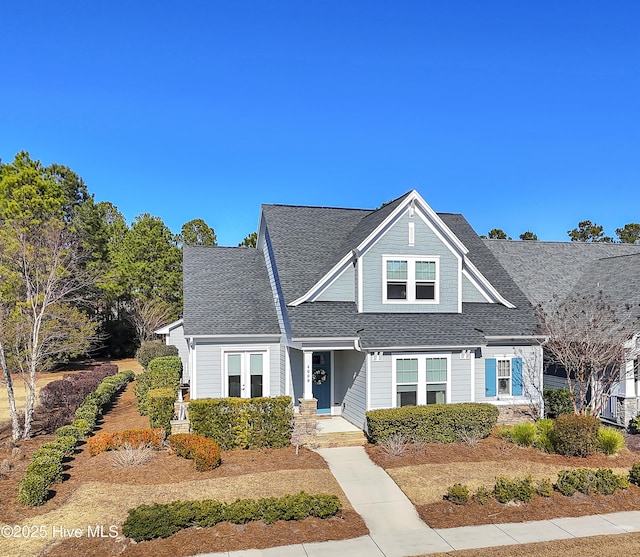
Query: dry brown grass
(597,546)
(107,504)
(427,483)
(42,379)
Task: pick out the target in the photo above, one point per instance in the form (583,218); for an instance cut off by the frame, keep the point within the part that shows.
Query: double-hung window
(504,376)
(407,381)
(410,279)
(421,379)
(244,374)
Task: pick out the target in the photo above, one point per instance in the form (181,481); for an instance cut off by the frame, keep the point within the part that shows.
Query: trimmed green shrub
(544,488)
(634,474)
(575,435)
(518,489)
(482,495)
(154,349)
(70,431)
(140,389)
(166,372)
(148,522)
(47,464)
(458,494)
(163,372)
(557,402)
(243,423)
(160,403)
(610,440)
(588,481)
(433,423)
(544,435)
(33,490)
(83,426)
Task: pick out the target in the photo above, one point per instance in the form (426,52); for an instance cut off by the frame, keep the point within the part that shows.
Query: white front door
(244,372)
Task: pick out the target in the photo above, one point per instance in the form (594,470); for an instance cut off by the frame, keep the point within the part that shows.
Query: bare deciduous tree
(43,281)
(589,338)
(147,316)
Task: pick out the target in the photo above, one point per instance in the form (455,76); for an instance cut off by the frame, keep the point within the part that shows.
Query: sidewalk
(395,530)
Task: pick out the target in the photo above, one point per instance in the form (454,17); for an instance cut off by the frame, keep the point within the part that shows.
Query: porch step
(340,439)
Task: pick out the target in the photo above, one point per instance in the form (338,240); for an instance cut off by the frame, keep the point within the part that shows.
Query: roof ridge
(317,207)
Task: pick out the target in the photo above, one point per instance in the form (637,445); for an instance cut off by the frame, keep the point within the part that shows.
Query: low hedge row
(583,480)
(433,423)
(136,438)
(237,423)
(45,468)
(204,452)
(148,522)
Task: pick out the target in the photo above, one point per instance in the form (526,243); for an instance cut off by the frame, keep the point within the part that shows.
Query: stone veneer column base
(305,422)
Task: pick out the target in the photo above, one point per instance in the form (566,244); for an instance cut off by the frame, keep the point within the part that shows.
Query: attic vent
(412,234)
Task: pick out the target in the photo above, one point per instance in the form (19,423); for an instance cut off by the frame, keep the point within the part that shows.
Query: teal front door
(322,381)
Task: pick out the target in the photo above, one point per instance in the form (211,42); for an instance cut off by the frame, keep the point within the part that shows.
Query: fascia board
(234,337)
(422,348)
(167,328)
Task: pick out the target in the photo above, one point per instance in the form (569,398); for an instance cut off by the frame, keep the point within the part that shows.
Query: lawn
(97,493)
(425,474)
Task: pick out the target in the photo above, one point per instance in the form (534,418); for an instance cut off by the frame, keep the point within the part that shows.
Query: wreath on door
(319,376)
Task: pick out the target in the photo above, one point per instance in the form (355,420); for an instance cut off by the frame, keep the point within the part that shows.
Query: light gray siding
(460,378)
(470,293)
(343,288)
(531,370)
(208,378)
(209,366)
(352,384)
(395,242)
(380,394)
(555,382)
(176,338)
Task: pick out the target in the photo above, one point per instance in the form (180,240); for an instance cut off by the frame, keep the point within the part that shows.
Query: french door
(244,374)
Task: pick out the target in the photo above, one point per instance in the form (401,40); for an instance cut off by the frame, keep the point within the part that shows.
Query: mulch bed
(165,468)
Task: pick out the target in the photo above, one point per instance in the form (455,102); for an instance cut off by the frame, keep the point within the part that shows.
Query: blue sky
(519,115)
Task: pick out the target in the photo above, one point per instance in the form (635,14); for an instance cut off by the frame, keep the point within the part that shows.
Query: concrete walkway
(395,530)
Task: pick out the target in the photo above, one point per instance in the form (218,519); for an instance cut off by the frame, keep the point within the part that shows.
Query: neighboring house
(547,269)
(173,334)
(358,310)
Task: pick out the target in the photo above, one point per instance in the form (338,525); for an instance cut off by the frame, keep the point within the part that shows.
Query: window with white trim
(436,380)
(244,373)
(406,382)
(410,279)
(504,376)
(421,379)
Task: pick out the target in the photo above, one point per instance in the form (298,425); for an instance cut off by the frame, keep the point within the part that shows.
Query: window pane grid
(396,270)
(407,371)
(504,368)
(436,370)
(425,270)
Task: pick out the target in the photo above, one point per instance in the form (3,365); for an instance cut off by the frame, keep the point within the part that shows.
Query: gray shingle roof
(379,330)
(304,241)
(227,291)
(618,278)
(545,269)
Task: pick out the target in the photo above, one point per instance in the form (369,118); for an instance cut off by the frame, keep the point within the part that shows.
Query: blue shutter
(516,376)
(490,377)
